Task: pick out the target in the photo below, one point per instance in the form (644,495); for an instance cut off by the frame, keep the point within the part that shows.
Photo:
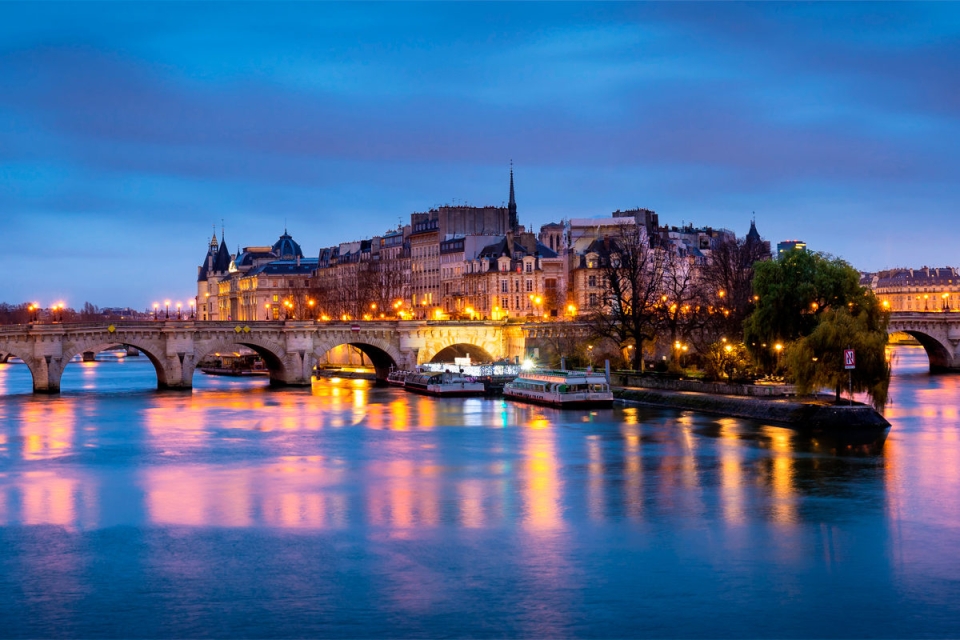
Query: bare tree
(632,270)
(680,312)
(728,288)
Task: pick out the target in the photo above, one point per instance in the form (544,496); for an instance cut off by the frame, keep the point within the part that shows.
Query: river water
(351,511)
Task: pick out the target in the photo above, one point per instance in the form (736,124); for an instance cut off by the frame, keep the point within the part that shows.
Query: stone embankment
(812,413)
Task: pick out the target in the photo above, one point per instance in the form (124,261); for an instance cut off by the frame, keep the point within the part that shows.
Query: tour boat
(234,365)
(561,388)
(396,377)
(443,384)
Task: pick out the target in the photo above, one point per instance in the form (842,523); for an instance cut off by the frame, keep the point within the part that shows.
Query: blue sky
(128,129)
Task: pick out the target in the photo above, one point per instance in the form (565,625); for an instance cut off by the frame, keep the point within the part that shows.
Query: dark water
(352,511)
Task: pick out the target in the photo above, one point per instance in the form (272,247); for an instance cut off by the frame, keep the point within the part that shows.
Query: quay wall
(807,414)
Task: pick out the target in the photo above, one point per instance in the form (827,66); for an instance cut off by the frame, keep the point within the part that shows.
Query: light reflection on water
(346,509)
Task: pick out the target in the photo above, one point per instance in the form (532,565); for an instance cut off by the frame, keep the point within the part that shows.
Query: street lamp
(156,307)
(267,316)
(778,347)
(193,310)
(179,313)
(166,305)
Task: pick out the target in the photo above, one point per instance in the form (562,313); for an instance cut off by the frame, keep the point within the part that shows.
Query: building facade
(926,289)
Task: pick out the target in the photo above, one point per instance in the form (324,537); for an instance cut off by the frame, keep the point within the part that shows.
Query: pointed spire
(513,223)
(213,241)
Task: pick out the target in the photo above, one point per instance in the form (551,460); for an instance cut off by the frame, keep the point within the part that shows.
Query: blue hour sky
(128,129)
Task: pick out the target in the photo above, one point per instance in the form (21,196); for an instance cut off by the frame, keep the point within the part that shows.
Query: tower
(512,223)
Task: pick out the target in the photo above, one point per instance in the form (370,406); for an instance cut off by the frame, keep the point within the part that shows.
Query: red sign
(354,327)
(849,359)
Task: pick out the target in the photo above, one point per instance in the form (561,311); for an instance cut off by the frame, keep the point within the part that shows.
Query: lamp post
(179,313)
(778,348)
(166,305)
(156,309)
(193,309)
(267,312)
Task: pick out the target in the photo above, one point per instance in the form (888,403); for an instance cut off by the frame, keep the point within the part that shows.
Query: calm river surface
(346,510)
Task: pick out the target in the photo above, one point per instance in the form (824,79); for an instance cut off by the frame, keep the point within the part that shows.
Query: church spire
(512,205)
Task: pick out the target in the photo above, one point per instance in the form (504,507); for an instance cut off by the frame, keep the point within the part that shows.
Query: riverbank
(810,413)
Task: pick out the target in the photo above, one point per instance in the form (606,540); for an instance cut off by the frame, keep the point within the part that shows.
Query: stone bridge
(938,332)
(289,349)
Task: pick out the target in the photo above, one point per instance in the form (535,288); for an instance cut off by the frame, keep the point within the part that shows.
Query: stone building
(215,267)
(258,283)
(516,276)
(924,289)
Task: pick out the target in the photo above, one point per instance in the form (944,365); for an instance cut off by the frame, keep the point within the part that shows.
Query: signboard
(849,359)
(354,327)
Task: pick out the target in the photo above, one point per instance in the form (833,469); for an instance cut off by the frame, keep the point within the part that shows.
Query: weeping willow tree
(816,306)
(816,361)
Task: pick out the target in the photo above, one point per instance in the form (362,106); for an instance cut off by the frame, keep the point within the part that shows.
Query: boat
(445,384)
(397,377)
(331,373)
(234,365)
(560,388)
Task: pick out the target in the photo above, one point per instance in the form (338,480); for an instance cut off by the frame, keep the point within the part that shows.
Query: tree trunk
(839,387)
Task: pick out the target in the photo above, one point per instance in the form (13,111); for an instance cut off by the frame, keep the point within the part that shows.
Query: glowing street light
(179,312)
(156,308)
(166,304)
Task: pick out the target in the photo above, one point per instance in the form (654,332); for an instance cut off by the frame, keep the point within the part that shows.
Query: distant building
(255,283)
(924,289)
(215,267)
(789,245)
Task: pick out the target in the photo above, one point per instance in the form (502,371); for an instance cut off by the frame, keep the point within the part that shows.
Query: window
(504,286)
(505,302)
(593,299)
(516,286)
(529,286)
(518,302)
(529,267)
(592,281)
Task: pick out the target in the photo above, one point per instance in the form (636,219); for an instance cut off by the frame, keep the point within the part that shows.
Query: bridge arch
(937,353)
(36,366)
(462,350)
(165,377)
(272,353)
(382,354)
